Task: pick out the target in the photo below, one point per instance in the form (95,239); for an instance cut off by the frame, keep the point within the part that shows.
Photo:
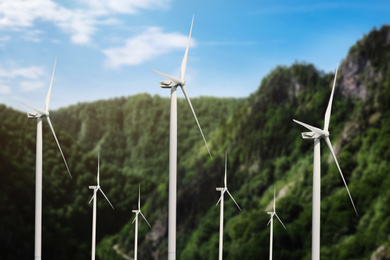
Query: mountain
(264,146)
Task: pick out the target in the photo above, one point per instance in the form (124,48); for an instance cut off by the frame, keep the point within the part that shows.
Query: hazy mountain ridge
(264,145)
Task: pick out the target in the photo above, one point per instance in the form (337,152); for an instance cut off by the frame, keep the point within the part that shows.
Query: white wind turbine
(316,134)
(39,114)
(221,199)
(95,190)
(273,213)
(173,83)
(138,211)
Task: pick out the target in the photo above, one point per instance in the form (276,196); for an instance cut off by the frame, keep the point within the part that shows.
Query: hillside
(265,149)
(129,132)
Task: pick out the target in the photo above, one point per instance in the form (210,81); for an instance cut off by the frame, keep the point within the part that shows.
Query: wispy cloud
(5,38)
(31,85)
(4,89)
(145,46)
(26,78)
(311,7)
(124,6)
(32,72)
(230,43)
(81,22)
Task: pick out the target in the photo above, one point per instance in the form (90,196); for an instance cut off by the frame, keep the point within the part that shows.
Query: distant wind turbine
(173,83)
(221,199)
(95,190)
(39,114)
(138,211)
(316,134)
(273,213)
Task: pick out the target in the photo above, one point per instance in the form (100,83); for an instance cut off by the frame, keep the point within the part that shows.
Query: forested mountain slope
(265,148)
(132,134)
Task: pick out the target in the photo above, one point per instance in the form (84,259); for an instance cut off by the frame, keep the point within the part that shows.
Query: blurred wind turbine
(138,211)
(39,114)
(173,83)
(221,199)
(95,190)
(316,134)
(273,213)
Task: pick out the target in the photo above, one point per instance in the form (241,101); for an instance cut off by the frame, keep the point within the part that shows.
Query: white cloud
(33,72)
(146,46)
(27,78)
(31,85)
(81,23)
(124,6)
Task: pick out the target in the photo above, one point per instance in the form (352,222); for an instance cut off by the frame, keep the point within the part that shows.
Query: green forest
(265,149)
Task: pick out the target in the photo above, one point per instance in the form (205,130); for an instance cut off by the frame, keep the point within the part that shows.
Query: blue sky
(106,48)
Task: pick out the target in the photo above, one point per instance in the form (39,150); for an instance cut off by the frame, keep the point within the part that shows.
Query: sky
(107,48)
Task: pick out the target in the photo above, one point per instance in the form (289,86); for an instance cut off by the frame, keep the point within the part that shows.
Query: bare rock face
(351,84)
(365,65)
(382,253)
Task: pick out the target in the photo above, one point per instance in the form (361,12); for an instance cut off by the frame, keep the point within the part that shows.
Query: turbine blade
(280,221)
(274,198)
(105,197)
(311,128)
(269,221)
(59,147)
(145,219)
(193,112)
(327,140)
(233,199)
(220,198)
(225,170)
(329,108)
(134,218)
(49,92)
(35,109)
(98,169)
(184,62)
(174,79)
(93,196)
(139,196)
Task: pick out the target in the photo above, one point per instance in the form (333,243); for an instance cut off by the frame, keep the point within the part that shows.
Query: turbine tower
(138,211)
(39,115)
(221,199)
(317,134)
(272,213)
(95,190)
(173,83)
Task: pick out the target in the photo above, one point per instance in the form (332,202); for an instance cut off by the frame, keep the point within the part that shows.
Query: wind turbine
(272,213)
(39,115)
(221,199)
(95,190)
(138,211)
(173,83)
(316,134)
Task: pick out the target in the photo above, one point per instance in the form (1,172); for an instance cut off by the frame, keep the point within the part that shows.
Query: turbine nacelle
(310,135)
(171,84)
(34,115)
